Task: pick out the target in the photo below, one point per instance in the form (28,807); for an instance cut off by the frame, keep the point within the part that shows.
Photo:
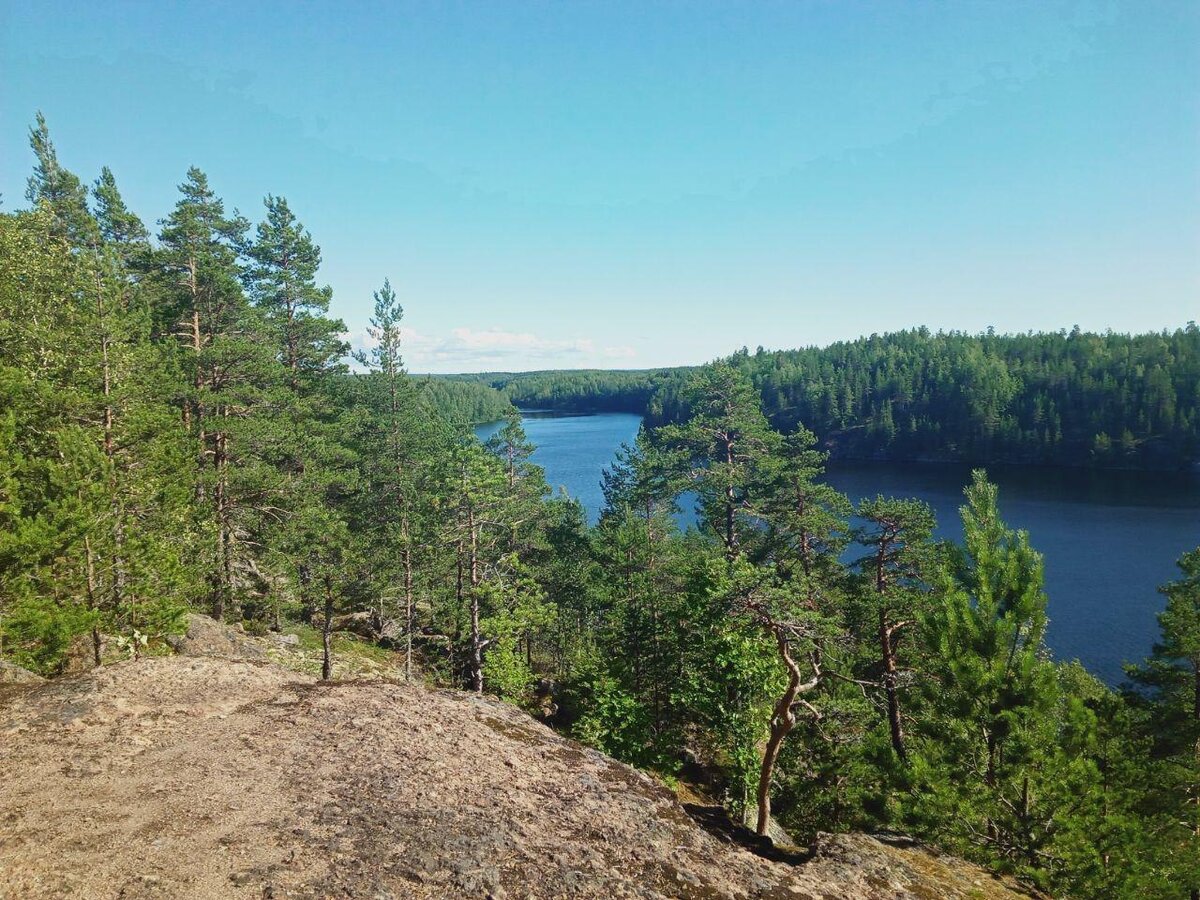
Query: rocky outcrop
(206,636)
(14,674)
(205,777)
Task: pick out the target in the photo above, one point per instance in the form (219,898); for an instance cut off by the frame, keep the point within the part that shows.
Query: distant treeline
(575,390)
(1066,398)
(1062,398)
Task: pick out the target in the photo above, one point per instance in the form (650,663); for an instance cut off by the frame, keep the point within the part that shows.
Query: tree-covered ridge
(179,431)
(1062,398)
(466,402)
(573,390)
(1072,398)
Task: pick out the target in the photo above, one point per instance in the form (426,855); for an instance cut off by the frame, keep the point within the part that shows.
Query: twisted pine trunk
(783,720)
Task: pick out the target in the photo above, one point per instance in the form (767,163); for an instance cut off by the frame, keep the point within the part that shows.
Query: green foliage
(514,607)
(616,723)
(725,444)
(1168,691)
(728,693)
(37,633)
(465,402)
(88,503)
(997,714)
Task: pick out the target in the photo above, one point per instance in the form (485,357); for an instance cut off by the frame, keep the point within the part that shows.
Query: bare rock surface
(206,777)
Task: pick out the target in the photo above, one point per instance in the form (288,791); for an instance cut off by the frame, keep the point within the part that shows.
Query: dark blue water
(575,449)
(1109,538)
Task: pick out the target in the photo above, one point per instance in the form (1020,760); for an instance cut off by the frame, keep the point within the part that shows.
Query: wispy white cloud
(619,352)
(468,349)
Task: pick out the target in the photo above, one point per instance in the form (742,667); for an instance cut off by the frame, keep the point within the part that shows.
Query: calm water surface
(575,449)
(1109,538)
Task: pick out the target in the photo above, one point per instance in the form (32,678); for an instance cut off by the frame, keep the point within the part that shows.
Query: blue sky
(627,185)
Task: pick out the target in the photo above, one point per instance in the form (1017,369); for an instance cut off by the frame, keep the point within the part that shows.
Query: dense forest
(1066,398)
(571,390)
(465,402)
(179,430)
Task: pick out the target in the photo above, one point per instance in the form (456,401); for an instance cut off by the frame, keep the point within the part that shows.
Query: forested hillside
(464,401)
(178,430)
(1072,398)
(573,390)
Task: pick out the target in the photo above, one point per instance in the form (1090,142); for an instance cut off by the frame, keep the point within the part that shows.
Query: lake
(1109,538)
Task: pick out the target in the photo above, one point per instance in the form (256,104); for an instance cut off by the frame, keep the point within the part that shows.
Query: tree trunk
(476,636)
(990,779)
(731,547)
(409,617)
(194,410)
(293,360)
(887,654)
(635,637)
(327,634)
(90,574)
(783,720)
(224,578)
(119,575)
(890,686)
(476,646)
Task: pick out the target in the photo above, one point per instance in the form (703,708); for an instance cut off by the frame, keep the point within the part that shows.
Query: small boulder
(775,835)
(208,637)
(10,673)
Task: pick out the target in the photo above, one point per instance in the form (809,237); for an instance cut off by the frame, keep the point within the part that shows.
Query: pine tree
(645,479)
(282,280)
(634,676)
(476,527)
(42,593)
(806,517)
(142,579)
(119,227)
(726,441)
(401,440)
(60,190)
(1170,679)
(896,535)
(106,421)
(229,365)
(305,437)
(510,445)
(994,685)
